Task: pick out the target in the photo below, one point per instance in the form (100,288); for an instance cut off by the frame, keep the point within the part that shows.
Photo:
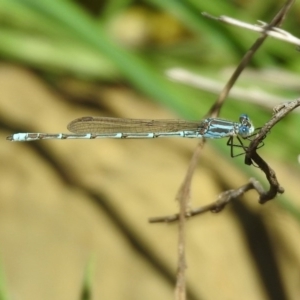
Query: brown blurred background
(74,214)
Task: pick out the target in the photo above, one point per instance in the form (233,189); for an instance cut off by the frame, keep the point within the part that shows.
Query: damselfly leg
(250,138)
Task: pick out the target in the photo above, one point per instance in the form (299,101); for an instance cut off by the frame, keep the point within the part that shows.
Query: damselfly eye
(245,130)
(244,118)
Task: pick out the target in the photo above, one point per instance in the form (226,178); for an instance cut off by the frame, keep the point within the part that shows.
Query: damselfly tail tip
(16,137)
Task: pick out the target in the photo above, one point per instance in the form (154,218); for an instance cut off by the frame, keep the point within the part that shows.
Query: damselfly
(105,127)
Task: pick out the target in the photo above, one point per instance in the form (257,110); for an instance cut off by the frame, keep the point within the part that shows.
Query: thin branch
(183,197)
(216,206)
(225,197)
(280,111)
(261,27)
(277,20)
(251,155)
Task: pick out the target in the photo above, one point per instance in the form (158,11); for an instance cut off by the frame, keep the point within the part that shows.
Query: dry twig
(183,197)
(251,156)
(261,27)
(277,21)
(280,111)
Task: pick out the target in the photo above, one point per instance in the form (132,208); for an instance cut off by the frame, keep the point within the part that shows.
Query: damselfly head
(246,127)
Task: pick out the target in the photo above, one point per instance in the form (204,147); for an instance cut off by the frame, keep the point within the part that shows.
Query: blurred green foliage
(136,41)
